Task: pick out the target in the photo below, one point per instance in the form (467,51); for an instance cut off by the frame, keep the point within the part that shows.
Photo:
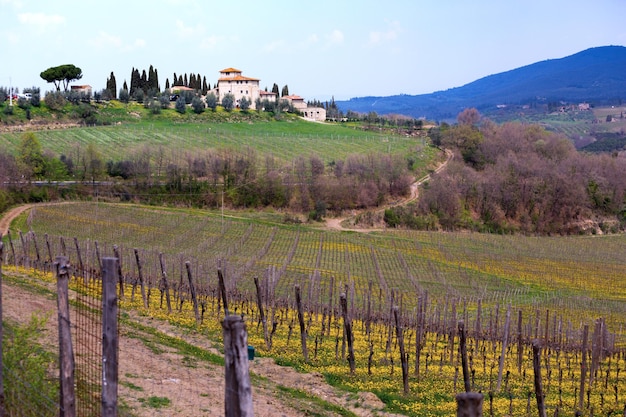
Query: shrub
(181,105)
(124,95)
(211,101)
(155,106)
(228,102)
(164,100)
(197,105)
(244,104)
(55,100)
(139,96)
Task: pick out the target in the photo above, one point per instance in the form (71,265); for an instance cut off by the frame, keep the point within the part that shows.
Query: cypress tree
(275,90)
(143,83)
(167,83)
(285,91)
(186,83)
(205,89)
(174,80)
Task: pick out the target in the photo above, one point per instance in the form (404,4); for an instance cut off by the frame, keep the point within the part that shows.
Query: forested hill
(596,75)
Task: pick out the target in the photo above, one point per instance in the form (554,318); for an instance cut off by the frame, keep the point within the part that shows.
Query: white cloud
(335,37)
(388,35)
(185,31)
(275,46)
(41,21)
(106,40)
(211,42)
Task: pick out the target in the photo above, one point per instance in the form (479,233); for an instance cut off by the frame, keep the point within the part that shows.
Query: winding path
(335,223)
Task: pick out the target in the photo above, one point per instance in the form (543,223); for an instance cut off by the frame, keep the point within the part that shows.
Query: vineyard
(173,142)
(399,291)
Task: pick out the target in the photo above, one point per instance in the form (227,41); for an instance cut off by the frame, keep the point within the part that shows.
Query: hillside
(595,75)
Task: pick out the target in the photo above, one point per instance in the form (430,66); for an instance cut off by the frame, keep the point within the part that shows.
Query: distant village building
(267,95)
(317,114)
(296,101)
(232,82)
(583,106)
(83,89)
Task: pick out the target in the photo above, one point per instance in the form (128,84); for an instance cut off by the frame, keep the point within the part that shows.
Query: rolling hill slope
(595,75)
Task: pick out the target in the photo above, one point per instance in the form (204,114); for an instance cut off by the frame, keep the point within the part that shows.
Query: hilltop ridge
(596,75)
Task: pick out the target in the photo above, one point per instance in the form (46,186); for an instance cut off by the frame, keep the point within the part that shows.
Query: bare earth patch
(192,386)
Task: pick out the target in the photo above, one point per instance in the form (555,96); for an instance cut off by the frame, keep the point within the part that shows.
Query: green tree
(30,156)
(112,86)
(211,101)
(285,91)
(62,74)
(197,105)
(275,90)
(124,95)
(244,104)
(181,105)
(228,102)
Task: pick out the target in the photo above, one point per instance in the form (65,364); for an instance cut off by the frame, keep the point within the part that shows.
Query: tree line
(517,177)
(208,179)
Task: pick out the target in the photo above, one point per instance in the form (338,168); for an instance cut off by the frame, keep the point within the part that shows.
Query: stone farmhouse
(231,81)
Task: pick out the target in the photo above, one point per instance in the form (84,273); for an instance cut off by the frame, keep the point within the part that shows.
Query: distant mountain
(596,75)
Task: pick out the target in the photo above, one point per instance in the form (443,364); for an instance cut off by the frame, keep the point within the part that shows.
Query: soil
(193,387)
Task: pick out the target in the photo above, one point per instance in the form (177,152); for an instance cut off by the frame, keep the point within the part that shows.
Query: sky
(320,49)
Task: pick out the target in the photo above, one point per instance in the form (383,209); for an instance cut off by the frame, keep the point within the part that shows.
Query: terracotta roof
(237,78)
(231,69)
(266,93)
(181,87)
(293,97)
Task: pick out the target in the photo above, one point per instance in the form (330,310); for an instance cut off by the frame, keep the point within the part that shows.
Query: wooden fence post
(66,351)
(237,390)
(2,400)
(469,404)
(110,341)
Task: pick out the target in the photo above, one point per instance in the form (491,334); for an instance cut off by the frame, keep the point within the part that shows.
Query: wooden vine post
(403,356)
(192,288)
(237,389)
(140,274)
(348,331)
(66,352)
(222,285)
(583,368)
(463,349)
(541,407)
(303,335)
(110,341)
(262,317)
(505,339)
(164,284)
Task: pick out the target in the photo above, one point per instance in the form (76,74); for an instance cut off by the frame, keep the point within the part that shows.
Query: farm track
(337,223)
